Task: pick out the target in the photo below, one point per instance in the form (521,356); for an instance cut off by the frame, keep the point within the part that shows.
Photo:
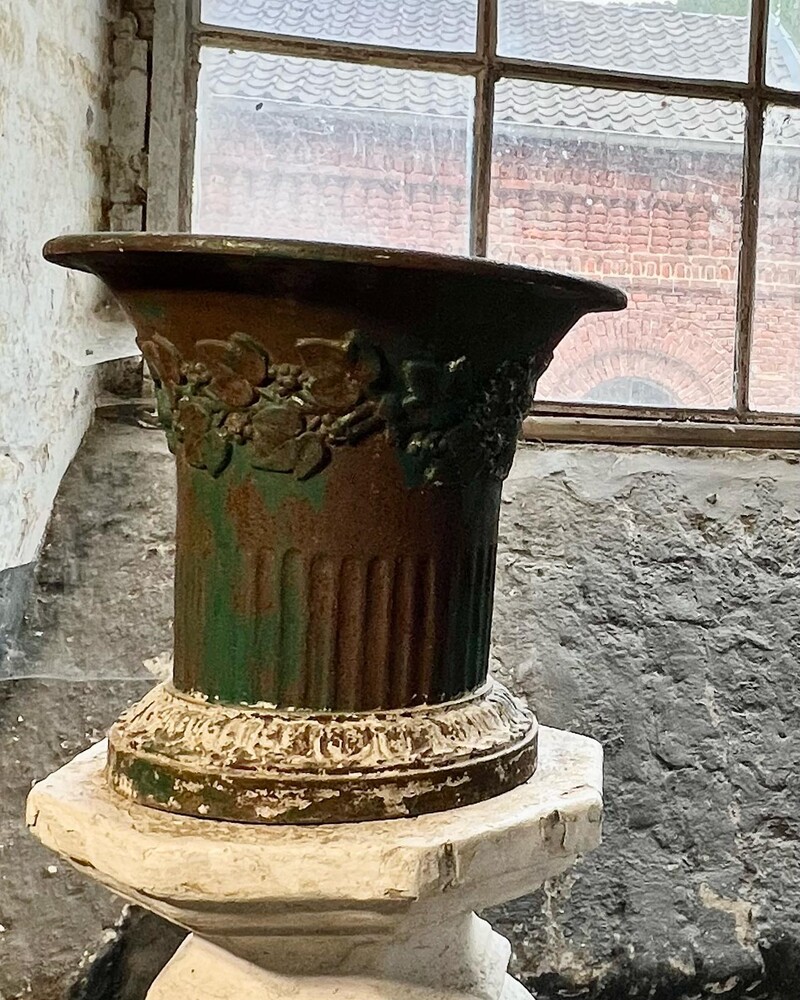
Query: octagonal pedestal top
(486,853)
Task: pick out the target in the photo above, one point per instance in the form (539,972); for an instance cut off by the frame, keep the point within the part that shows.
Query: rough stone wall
(53,136)
(652,600)
(648,599)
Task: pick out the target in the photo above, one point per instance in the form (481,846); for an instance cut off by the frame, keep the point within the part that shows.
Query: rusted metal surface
(342,420)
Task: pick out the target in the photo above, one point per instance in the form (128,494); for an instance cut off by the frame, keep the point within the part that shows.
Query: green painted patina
(151,782)
(260,622)
(448,425)
(290,417)
(262,618)
(161,787)
(152,310)
(244,645)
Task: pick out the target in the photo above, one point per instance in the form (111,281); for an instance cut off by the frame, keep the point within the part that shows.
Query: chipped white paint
(684,964)
(285,765)
(203,971)
(52,128)
(363,911)
(217,736)
(741,910)
(160,666)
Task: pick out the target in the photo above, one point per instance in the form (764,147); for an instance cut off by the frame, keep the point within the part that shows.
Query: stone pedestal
(380,910)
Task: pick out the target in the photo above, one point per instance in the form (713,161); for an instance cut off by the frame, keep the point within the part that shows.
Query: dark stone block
(16,587)
(126,967)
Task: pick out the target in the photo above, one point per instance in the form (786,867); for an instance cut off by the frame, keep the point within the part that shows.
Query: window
(654,146)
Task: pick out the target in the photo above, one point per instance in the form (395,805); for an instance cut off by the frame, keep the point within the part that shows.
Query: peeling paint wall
(652,600)
(53,136)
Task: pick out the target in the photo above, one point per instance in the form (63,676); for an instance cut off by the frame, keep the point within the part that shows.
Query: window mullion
(751,194)
(189,134)
(482,128)
(172,116)
(748,254)
(481,166)
(759,29)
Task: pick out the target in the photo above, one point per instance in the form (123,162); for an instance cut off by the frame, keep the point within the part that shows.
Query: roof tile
(645,37)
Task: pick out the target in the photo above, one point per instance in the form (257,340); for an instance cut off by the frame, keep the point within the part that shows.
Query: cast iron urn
(342,420)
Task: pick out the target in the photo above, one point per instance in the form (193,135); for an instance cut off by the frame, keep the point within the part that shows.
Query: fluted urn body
(342,421)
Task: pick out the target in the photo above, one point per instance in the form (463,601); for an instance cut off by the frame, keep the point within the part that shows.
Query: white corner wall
(53,137)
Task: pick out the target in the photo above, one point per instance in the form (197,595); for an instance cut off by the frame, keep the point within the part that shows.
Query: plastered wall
(54,61)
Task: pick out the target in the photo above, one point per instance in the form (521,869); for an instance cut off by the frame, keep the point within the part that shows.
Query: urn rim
(72,250)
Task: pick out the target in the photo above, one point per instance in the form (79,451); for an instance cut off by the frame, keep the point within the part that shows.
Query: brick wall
(661,221)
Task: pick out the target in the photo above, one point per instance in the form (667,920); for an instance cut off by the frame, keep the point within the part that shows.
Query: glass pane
(775,366)
(643,192)
(425,24)
(685,38)
(307,149)
(783,62)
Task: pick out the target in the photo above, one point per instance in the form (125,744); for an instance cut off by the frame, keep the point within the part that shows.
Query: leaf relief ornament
(291,417)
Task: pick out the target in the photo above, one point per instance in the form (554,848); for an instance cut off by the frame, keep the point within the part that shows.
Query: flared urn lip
(79,250)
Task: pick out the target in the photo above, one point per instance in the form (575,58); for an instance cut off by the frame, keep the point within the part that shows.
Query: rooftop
(647,38)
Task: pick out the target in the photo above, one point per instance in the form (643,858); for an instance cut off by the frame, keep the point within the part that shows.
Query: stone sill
(668,433)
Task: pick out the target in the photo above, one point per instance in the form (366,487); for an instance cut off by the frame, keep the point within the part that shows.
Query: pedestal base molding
(182,754)
(202,970)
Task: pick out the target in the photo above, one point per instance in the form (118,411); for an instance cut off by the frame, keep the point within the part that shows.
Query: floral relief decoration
(292,417)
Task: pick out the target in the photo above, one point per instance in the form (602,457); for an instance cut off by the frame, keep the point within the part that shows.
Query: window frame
(179,34)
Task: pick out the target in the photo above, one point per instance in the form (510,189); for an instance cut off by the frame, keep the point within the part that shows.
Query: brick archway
(686,386)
